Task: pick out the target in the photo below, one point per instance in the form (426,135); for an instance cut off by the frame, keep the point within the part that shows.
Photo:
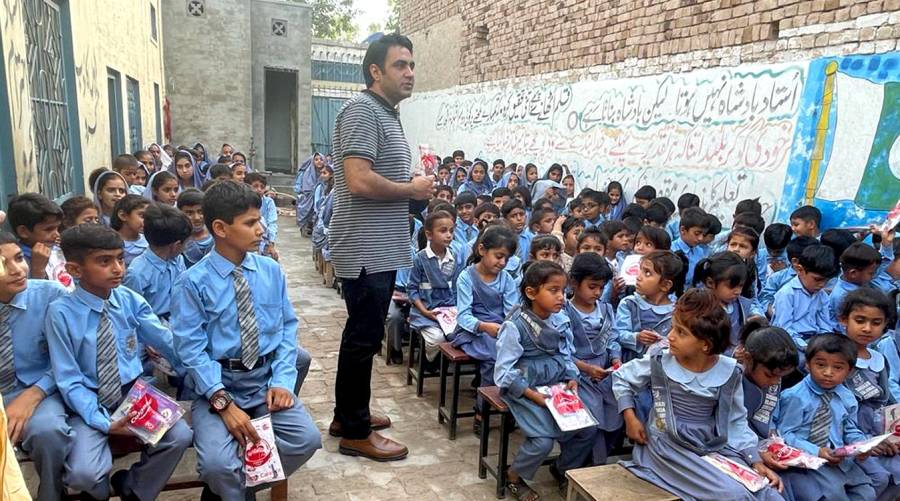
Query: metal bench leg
(503,456)
(412,359)
(454,409)
(483,445)
(420,383)
(445,364)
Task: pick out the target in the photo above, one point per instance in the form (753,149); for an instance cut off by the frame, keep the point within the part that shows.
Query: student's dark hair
(188,197)
(457,153)
(750,220)
(575,203)
(615,185)
(867,296)
(750,205)
(434,217)
(748,233)
(141,153)
(687,200)
(92,177)
(124,161)
(633,224)
(542,203)
(436,204)
(224,159)
(721,267)
(538,214)
(482,208)
(795,247)
(7,238)
(184,153)
(612,228)
(592,232)
(164,225)
(79,241)
(600,198)
(127,204)
(444,166)
(833,344)
(499,161)
(808,213)
(253,177)
(670,266)
(839,240)
(770,347)
(544,242)
(713,225)
(701,314)
(694,217)
(524,192)
(665,202)
(657,213)
(645,192)
(555,167)
(777,236)
(571,222)
(511,205)
(466,197)
(496,236)
(227,200)
(73,207)
(634,210)
(859,256)
(537,274)
(501,192)
(31,209)
(657,236)
(161,178)
(377,54)
(444,187)
(483,198)
(588,265)
(819,259)
(220,169)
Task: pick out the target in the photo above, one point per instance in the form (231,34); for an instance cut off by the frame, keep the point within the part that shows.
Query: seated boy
(465,222)
(858,265)
(693,229)
(36,417)
(190,203)
(805,221)
(657,215)
(775,281)
(594,207)
(644,195)
(220,172)
(93,335)
(801,306)
(128,166)
(35,220)
(500,196)
(268,213)
(235,332)
(685,201)
(514,214)
(771,257)
(444,192)
(541,222)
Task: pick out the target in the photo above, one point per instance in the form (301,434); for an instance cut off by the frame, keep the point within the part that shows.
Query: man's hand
(40,256)
(279,399)
(20,410)
(239,425)
(421,187)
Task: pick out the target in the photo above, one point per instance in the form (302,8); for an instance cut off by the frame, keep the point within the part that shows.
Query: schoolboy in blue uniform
(801,306)
(465,229)
(35,220)
(236,334)
(775,281)
(190,203)
(858,265)
(93,336)
(693,228)
(34,410)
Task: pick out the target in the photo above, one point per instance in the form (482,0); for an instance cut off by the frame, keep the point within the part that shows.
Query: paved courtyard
(436,468)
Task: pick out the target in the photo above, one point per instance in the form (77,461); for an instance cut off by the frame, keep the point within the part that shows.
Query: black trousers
(367,298)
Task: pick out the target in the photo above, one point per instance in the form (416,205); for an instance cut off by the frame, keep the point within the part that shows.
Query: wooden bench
(612,481)
(415,369)
(452,356)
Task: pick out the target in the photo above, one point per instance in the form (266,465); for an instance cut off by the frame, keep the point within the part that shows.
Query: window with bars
(337,72)
(133,90)
(153,27)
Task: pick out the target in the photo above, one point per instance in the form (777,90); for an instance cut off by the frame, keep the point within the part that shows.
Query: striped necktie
(109,383)
(246,320)
(7,361)
(821,422)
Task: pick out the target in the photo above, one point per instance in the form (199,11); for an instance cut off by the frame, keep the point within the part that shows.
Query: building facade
(336,77)
(238,72)
(76,89)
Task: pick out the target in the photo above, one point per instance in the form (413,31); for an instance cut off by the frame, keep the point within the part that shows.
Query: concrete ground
(436,469)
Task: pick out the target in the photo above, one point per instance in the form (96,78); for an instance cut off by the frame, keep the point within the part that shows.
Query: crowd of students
(691,359)
(203,300)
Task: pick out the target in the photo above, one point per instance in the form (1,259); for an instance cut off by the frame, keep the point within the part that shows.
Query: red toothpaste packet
(150,412)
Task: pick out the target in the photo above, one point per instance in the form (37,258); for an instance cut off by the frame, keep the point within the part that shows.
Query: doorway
(280,120)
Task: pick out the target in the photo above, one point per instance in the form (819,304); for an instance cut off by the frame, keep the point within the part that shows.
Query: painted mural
(823,131)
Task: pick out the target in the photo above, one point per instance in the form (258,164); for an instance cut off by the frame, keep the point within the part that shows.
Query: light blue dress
(635,314)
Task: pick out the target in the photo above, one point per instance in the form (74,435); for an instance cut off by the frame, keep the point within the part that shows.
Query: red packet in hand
(262,464)
(566,408)
(790,456)
(742,473)
(150,412)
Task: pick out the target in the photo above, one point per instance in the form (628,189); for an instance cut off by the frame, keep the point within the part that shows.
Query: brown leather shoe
(375,447)
(376,421)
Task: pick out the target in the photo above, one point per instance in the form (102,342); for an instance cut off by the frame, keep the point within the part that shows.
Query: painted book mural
(823,131)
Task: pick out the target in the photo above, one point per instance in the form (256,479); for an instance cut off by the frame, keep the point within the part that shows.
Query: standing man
(369,234)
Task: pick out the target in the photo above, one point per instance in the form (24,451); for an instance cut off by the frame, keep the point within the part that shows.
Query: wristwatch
(220,401)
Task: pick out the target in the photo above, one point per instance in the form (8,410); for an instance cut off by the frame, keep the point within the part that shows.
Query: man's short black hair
(79,241)
(687,200)
(777,236)
(808,213)
(694,217)
(164,225)
(832,344)
(795,247)
(31,209)
(226,200)
(466,197)
(645,192)
(657,213)
(377,54)
(126,204)
(189,197)
(859,256)
(751,205)
(818,259)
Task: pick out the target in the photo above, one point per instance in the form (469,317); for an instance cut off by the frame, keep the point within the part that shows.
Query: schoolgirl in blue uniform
(597,350)
(725,274)
(698,408)
(531,352)
(476,182)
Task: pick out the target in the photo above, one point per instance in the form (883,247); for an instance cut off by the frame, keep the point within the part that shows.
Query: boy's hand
(120,427)
(634,429)
(20,410)
(774,479)
(238,423)
(770,460)
(825,453)
(430,315)
(491,328)
(572,386)
(647,337)
(279,399)
(777,265)
(557,226)
(40,256)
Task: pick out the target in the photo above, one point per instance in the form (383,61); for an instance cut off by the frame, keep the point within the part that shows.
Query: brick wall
(514,38)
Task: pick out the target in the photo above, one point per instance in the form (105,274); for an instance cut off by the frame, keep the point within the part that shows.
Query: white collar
(717,375)
(430,254)
(874,363)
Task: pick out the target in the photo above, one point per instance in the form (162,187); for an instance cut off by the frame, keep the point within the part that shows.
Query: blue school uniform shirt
(463,232)
(504,285)
(629,323)
(773,284)
(693,254)
(799,312)
(509,351)
(269,218)
(134,248)
(595,223)
(889,347)
(840,290)
(136,189)
(205,320)
(798,405)
(152,277)
(31,354)
(71,327)
(763,258)
(525,239)
(883,280)
(194,250)
(673,228)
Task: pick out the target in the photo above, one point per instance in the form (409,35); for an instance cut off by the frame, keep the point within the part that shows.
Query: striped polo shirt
(366,233)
